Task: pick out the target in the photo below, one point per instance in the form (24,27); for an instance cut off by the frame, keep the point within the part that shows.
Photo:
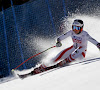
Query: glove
(98,45)
(58,44)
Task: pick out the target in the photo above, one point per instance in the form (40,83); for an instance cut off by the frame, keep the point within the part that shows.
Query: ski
(57,67)
(24,75)
(34,73)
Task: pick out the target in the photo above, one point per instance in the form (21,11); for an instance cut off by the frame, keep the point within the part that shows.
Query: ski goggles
(76,27)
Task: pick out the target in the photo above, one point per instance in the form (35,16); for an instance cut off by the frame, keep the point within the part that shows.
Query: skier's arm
(64,36)
(92,40)
(59,44)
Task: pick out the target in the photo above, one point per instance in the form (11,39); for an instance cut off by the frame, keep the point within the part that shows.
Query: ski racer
(77,50)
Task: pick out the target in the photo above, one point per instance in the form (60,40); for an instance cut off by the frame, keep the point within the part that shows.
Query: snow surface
(75,77)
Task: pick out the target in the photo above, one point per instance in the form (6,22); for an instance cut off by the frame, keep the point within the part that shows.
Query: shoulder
(85,33)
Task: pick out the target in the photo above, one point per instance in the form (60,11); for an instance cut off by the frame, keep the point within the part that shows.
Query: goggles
(76,27)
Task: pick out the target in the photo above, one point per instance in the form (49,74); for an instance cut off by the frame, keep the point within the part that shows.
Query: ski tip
(22,76)
(19,76)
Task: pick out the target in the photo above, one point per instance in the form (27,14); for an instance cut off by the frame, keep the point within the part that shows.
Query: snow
(80,76)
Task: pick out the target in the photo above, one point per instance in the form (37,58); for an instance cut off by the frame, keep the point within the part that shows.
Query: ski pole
(32,57)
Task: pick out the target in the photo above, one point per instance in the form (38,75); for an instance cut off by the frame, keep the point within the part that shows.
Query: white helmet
(78,22)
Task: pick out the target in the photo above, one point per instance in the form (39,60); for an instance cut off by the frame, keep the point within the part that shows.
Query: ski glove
(98,45)
(58,44)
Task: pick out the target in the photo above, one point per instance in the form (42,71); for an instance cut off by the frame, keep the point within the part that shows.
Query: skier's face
(76,29)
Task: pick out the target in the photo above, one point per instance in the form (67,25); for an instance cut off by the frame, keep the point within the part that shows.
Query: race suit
(79,47)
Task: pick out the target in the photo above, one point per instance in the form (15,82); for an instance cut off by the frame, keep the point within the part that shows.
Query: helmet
(79,23)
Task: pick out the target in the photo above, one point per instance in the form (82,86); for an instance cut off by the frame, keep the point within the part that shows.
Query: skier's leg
(62,55)
(80,52)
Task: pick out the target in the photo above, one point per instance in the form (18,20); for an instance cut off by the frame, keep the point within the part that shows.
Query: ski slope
(76,77)
(80,76)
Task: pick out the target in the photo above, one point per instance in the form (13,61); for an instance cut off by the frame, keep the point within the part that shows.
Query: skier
(77,50)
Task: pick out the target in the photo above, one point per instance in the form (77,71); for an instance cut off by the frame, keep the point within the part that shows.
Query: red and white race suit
(79,47)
